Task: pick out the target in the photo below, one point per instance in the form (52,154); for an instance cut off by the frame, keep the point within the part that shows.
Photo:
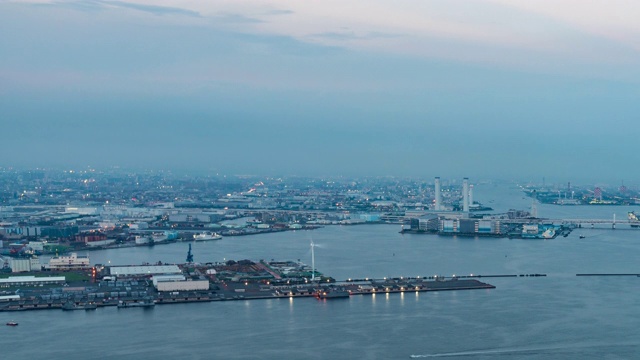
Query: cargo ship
(163,236)
(77,306)
(143,240)
(633,219)
(205,236)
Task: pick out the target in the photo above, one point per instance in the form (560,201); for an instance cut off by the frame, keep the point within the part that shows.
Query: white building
(144,270)
(36,245)
(25,265)
(73,261)
(31,281)
(20,265)
(161,278)
(139,226)
(81,210)
(183,285)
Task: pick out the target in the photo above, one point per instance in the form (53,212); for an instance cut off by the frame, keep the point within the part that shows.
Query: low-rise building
(31,281)
(73,261)
(182,285)
(24,265)
(144,270)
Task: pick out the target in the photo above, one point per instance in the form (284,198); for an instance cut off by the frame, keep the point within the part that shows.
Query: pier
(149,285)
(575,222)
(608,275)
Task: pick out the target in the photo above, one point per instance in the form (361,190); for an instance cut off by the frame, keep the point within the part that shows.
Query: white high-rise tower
(465,194)
(438,194)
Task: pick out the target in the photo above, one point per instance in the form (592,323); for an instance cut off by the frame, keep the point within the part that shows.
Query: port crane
(189,255)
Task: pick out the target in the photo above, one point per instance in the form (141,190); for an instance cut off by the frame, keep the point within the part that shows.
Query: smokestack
(470,195)
(438,195)
(465,194)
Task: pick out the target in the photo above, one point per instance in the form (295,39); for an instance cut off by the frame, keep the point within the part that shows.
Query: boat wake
(507,352)
(476,353)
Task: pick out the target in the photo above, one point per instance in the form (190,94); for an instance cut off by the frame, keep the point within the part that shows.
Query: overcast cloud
(421,88)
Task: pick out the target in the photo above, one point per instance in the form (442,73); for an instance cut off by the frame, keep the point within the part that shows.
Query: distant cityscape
(573,195)
(56,212)
(49,220)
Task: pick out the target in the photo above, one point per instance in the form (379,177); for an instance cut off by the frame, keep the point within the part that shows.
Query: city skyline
(485,89)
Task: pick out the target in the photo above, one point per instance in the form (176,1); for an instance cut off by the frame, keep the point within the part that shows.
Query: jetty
(147,285)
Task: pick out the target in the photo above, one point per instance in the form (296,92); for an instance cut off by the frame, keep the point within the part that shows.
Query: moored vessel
(205,236)
(332,294)
(633,219)
(145,303)
(141,240)
(70,305)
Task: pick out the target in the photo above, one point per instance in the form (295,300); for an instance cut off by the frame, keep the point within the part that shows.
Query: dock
(229,281)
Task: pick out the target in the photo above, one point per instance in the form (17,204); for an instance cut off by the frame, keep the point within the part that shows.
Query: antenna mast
(313,263)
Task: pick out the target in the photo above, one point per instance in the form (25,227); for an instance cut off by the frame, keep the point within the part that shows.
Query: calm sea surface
(556,317)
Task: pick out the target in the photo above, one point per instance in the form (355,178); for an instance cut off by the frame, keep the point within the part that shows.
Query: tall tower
(465,194)
(470,195)
(438,194)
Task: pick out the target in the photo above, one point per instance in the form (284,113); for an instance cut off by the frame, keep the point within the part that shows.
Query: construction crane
(189,255)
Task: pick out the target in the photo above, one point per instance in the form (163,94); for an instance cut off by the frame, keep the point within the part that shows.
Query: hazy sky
(451,88)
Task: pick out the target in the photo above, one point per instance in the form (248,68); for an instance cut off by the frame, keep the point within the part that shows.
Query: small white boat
(205,236)
(549,234)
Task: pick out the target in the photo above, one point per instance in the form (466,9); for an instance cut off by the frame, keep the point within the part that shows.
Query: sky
(486,88)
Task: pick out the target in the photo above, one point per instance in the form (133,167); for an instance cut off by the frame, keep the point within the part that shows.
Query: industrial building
(429,223)
(73,261)
(25,265)
(195,217)
(160,278)
(31,281)
(144,270)
(182,285)
(470,227)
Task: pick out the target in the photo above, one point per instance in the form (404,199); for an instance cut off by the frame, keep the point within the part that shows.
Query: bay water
(560,316)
